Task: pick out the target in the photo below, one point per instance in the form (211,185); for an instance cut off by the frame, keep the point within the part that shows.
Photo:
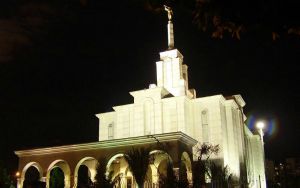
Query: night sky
(61,62)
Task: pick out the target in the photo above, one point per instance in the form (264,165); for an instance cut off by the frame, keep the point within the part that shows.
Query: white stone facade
(170,106)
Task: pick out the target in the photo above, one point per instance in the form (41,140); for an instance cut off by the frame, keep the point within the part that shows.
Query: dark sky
(61,62)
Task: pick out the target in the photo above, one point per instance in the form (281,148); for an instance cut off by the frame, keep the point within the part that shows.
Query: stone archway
(26,168)
(64,167)
(117,167)
(186,168)
(32,177)
(83,177)
(91,164)
(57,178)
(160,162)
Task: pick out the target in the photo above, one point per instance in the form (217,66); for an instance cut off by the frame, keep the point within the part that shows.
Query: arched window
(111,131)
(205,128)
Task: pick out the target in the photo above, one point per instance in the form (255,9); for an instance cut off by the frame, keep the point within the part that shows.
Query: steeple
(171,73)
(170,28)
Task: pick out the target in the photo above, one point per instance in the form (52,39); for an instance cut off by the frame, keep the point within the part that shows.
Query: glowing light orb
(271,128)
(260,125)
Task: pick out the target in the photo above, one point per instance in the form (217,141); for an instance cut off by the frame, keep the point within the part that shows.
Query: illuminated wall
(170,106)
(255,161)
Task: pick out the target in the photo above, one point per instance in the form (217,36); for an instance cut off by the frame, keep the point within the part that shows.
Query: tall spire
(170,28)
(171,73)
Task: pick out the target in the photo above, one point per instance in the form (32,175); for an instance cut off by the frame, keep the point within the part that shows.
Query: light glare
(260,125)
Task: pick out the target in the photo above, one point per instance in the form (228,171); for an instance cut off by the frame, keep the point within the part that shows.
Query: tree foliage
(206,150)
(169,180)
(201,165)
(232,18)
(103,178)
(5,179)
(138,161)
(220,176)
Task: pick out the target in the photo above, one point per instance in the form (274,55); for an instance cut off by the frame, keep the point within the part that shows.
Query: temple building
(170,113)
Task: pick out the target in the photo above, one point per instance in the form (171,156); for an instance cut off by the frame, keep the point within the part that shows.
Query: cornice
(140,140)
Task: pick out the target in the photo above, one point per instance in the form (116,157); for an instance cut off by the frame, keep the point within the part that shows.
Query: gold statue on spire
(170,28)
(170,12)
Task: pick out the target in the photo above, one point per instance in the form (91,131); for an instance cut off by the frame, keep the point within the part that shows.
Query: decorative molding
(140,140)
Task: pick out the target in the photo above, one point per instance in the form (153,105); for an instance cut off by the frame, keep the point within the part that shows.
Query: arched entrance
(117,168)
(185,172)
(84,177)
(32,173)
(32,178)
(85,171)
(57,170)
(57,178)
(161,163)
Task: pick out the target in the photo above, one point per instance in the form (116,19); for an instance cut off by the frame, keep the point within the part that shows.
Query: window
(148,116)
(111,131)
(205,128)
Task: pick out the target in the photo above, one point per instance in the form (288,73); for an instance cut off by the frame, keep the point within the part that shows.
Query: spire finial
(169,11)
(170,28)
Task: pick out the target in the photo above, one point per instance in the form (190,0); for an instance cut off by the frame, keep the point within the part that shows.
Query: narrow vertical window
(110,131)
(148,117)
(205,128)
